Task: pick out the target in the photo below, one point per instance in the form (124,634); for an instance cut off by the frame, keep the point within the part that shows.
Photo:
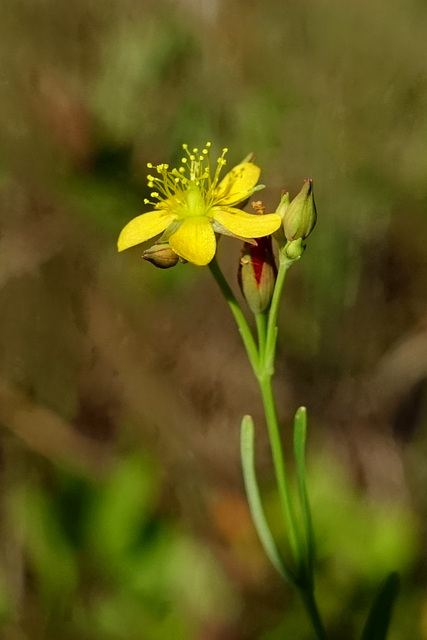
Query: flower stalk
(190,206)
(262,354)
(262,357)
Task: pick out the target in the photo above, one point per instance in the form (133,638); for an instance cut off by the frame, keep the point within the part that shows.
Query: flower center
(190,189)
(195,204)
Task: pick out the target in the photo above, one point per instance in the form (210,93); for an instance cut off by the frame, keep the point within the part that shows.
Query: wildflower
(190,205)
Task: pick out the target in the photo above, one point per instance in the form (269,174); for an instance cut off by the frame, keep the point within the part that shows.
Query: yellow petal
(238,184)
(247,225)
(144,227)
(194,240)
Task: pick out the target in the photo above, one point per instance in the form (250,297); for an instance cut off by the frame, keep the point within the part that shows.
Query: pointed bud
(257,274)
(161,255)
(279,235)
(249,158)
(300,216)
(283,204)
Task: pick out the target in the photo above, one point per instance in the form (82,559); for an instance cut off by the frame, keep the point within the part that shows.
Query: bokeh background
(122,386)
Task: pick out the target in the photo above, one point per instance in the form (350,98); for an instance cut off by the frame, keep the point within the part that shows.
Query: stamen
(196,169)
(258,207)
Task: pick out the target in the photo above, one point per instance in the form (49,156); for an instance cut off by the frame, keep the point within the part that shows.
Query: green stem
(280,468)
(244,329)
(262,361)
(270,346)
(310,604)
(261,325)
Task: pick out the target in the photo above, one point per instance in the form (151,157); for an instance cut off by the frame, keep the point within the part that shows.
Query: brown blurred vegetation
(102,355)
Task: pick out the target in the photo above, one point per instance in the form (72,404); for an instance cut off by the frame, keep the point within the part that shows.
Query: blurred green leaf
(138,60)
(121,507)
(379,617)
(51,556)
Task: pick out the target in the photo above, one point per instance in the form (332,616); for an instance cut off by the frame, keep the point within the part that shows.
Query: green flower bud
(300,216)
(161,255)
(283,204)
(279,235)
(294,249)
(257,274)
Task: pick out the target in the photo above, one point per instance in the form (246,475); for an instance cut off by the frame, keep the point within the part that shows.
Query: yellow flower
(191,205)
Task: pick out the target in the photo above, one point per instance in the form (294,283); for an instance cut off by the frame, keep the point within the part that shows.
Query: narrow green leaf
(300,435)
(247,436)
(379,617)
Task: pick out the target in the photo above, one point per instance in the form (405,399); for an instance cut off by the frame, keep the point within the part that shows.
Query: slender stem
(244,329)
(262,361)
(261,324)
(270,347)
(310,604)
(280,467)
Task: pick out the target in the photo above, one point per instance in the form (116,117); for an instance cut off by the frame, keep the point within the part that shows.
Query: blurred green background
(122,510)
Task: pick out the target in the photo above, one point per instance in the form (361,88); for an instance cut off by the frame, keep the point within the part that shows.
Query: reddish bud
(257,274)
(161,255)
